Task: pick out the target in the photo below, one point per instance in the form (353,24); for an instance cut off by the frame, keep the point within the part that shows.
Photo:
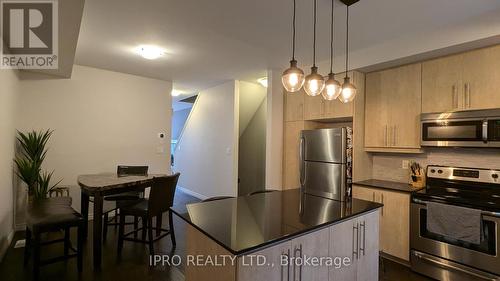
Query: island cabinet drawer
(394,219)
(356,243)
(286,261)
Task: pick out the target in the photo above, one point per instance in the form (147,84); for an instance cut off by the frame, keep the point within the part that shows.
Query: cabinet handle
(302,163)
(373,196)
(288,265)
(301,264)
(394,136)
(362,249)
(382,202)
(282,267)
(355,231)
(454,96)
(386,137)
(468,94)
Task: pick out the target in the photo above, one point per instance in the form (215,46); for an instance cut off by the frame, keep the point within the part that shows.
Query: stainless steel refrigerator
(326,162)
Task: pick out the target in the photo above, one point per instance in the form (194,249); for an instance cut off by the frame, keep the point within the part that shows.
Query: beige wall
(100,119)
(389,167)
(9,92)
(206,154)
(252,153)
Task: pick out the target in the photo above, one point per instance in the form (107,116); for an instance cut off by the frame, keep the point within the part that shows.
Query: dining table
(98,186)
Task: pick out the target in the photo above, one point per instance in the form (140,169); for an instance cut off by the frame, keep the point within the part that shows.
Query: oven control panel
(464,174)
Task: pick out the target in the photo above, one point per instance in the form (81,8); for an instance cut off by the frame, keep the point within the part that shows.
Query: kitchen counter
(389,185)
(244,224)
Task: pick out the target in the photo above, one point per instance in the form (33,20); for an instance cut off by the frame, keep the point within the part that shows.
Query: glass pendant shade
(293,78)
(332,88)
(349,91)
(315,83)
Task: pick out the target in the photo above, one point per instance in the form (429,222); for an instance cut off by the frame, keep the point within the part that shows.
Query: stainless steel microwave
(472,128)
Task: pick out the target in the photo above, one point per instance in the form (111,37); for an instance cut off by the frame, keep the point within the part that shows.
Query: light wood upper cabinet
(393,107)
(317,108)
(394,219)
(294,106)
(462,82)
(481,77)
(442,85)
(314,107)
(291,171)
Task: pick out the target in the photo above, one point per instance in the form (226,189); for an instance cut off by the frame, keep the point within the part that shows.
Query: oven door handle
(485,213)
(433,260)
(485,131)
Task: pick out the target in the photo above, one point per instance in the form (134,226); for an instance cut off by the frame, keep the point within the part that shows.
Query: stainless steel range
(445,258)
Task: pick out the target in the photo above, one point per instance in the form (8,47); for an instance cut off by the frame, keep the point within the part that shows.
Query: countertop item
(248,223)
(389,185)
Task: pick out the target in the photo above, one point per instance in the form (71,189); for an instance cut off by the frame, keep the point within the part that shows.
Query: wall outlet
(405,164)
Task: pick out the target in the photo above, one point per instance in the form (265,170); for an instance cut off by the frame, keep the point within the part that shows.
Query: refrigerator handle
(302,163)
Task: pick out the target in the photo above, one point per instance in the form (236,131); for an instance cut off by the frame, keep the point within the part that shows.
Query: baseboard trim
(3,249)
(192,193)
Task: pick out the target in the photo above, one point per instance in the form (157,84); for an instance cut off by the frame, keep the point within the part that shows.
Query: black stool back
(161,196)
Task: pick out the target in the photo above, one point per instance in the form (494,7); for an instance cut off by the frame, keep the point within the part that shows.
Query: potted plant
(32,151)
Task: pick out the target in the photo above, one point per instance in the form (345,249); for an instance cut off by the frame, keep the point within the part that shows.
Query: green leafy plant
(29,161)
(44,186)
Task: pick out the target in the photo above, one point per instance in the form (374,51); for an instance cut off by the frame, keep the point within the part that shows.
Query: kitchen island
(283,235)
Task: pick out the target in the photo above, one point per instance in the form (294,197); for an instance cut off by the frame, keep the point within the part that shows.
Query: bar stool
(47,215)
(161,198)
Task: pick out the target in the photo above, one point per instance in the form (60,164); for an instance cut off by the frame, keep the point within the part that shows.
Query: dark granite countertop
(247,223)
(390,185)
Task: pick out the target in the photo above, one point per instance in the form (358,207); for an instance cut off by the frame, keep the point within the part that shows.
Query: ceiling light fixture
(332,86)
(293,77)
(263,81)
(349,91)
(150,52)
(176,93)
(315,82)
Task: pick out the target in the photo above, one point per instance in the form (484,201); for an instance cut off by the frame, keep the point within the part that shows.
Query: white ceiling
(212,41)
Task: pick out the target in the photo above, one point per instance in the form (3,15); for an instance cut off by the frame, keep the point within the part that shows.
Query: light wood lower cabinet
(394,219)
(273,255)
(351,246)
(357,239)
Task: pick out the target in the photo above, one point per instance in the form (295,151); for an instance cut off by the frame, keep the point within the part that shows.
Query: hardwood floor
(134,262)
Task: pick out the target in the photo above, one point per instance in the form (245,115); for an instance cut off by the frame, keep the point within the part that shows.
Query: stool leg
(66,242)
(121,233)
(81,237)
(158,224)
(105,227)
(36,256)
(150,238)
(144,227)
(136,225)
(27,246)
(171,228)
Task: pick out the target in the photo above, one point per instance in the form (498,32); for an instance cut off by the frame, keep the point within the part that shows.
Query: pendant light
(314,83)
(332,86)
(293,77)
(349,91)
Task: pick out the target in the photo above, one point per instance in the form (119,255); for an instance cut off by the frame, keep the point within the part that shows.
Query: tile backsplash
(389,166)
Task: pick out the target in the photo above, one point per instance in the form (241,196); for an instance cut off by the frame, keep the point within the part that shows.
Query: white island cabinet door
(368,262)
(344,248)
(250,267)
(308,256)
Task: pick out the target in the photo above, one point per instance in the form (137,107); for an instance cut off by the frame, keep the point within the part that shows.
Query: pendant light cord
(293,30)
(314,35)
(331,42)
(347,44)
